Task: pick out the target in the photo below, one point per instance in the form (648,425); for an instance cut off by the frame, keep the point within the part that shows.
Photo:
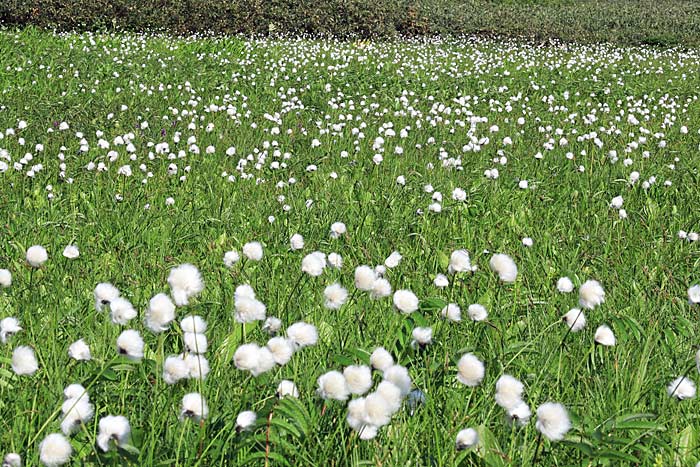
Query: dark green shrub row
(621,21)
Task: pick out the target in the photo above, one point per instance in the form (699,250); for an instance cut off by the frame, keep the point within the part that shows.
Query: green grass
(616,396)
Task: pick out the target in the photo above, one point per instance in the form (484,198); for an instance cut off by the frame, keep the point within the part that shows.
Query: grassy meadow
(148,152)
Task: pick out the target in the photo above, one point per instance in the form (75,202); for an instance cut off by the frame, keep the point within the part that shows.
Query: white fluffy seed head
(381,359)
(197,365)
(358,378)
(694,294)
(591,294)
(452,312)
(338,229)
(287,388)
(377,410)
(281,349)
(364,278)
(553,421)
(231,258)
(175,369)
(380,289)
(114,429)
(253,251)
(681,388)
(75,391)
(185,282)
(470,370)
(393,260)
(71,252)
(605,336)
(575,319)
(332,385)
(422,336)
(459,262)
(104,294)
(467,438)
(246,420)
(509,391)
(79,350)
(161,312)
(193,323)
(302,334)
(314,263)
(194,406)
(55,450)
(296,242)
(12,460)
(272,325)
(335,296)
(398,375)
(121,311)
(244,291)
(477,312)
(8,327)
(5,279)
(564,285)
(441,281)
(249,310)
(196,343)
(391,394)
(405,301)
(24,361)
(504,266)
(335,260)
(130,344)
(37,256)
(520,413)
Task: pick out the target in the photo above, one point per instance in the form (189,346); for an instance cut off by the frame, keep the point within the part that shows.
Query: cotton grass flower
(459,262)
(12,460)
(76,411)
(37,256)
(296,242)
(193,323)
(8,327)
(604,336)
(195,342)
(509,391)
(71,252)
(381,359)
(332,385)
(272,325)
(194,406)
(441,281)
(287,388)
(5,278)
(245,420)
(314,263)
(681,388)
(231,258)
(358,379)
(160,313)
(391,394)
(24,361)
(335,296)
(121,311)
(55,450)
(405,301)
(79,351)
(302,334)
(335,260)
(197,365)
(398,375)
(564,285)
(470,370)
(422,337)
(114,430)
(338,229)
(504,266)
(466,439)
(175,369)
(130,344)
(552,421)
(185,282)
(452,312)
(519,413)
(575,319)
(380,289)
(591,294)
(694,294)
(365,278)
(281,350)
(249,310)
(253,251)
(393,260)
(377,410)
(477,312)
(104,294)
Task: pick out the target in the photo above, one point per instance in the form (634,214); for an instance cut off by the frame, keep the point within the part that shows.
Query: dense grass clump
(468,176)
